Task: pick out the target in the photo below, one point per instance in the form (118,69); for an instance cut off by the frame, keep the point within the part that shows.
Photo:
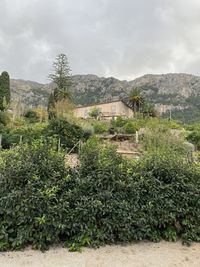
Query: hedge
(105,200)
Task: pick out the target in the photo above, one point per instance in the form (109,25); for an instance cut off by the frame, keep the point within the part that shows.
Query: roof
(98,104)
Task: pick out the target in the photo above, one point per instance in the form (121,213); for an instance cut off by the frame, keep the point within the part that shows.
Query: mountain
(178,92)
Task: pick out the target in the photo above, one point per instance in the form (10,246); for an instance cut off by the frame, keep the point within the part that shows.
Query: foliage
(118,122)
(30,210)
(95,112)
(193,127)
(165,123)
(65,109)
(163,139)
(194,138)
(42,114)
(148,110)
(100,127)
(131,127)
(190,114)
(88,129)
(51,106)
(107,199)
(69,133)
(136,99)
(32,116)
(4,91)
(26,134)
(128,125)
(61,78)
(4,118)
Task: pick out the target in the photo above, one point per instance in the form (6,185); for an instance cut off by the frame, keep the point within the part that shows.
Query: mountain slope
(167,91)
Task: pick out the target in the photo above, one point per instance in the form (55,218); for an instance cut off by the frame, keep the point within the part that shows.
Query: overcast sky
(120,38)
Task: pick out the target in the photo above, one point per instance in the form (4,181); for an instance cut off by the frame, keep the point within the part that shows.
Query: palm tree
(136,99)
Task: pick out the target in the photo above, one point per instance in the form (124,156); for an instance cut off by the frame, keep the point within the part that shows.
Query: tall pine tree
(61,78)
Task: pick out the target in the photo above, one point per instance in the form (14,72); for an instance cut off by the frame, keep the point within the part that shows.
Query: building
(108,110)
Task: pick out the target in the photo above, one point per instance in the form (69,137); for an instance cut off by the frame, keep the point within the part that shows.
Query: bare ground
(142,254)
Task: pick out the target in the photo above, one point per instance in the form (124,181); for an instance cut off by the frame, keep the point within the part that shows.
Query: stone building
(108,110)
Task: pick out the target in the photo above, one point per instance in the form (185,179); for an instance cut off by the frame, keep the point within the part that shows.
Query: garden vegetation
(106,199)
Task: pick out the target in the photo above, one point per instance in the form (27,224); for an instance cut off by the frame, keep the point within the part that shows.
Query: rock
(167,91)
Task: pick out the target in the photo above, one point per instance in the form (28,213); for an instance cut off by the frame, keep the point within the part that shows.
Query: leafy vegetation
(4,91)
(68,133)
(95,113)
(32,116)
(107,199)
(62,80)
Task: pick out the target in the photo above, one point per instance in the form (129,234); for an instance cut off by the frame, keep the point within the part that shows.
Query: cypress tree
(51,106)
(4,90)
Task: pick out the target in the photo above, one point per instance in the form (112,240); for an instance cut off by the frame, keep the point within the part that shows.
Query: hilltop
(177,91)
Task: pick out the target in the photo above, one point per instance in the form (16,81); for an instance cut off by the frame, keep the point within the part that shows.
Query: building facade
(108,110)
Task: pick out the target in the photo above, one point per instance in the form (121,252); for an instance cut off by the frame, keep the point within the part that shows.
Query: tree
(136,99)
(148,110)
(51,106)
(61,78)
(4,90)
(95,112)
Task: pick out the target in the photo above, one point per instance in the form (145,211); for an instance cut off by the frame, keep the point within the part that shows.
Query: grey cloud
(117,38)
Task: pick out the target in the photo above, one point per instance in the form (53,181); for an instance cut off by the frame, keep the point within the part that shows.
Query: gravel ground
(142,254)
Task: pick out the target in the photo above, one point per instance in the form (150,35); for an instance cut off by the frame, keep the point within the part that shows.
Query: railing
(79,144)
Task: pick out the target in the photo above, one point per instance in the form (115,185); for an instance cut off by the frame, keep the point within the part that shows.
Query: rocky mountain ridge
(173,90)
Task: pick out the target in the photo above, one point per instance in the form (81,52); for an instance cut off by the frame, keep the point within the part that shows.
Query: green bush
(32,116)
(26,133)
(100,127)
(88,129)
(30,210)
(119,201)
(194,138)
(164,123)
(68,133)
(163,139)
(119,122)
(4,118)
(130,127)
(106,199)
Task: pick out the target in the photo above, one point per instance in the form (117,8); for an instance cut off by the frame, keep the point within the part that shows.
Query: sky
(120,38)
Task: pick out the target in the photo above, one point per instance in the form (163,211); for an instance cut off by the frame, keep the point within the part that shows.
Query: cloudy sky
(120,38)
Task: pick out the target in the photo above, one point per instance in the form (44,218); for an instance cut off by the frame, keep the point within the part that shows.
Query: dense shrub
(119,122)
(194,138)
(88,129)
(69,133)
(26,133)
(4,118)
(107,199)
(100,127)
(30,210)
(165,123)
(163,139)
(130,127)
(32,116)
(156,198)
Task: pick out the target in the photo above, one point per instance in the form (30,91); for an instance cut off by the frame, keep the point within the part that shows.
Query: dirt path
(143,254)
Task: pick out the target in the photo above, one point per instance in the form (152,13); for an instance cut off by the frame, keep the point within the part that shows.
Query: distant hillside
(168,91)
